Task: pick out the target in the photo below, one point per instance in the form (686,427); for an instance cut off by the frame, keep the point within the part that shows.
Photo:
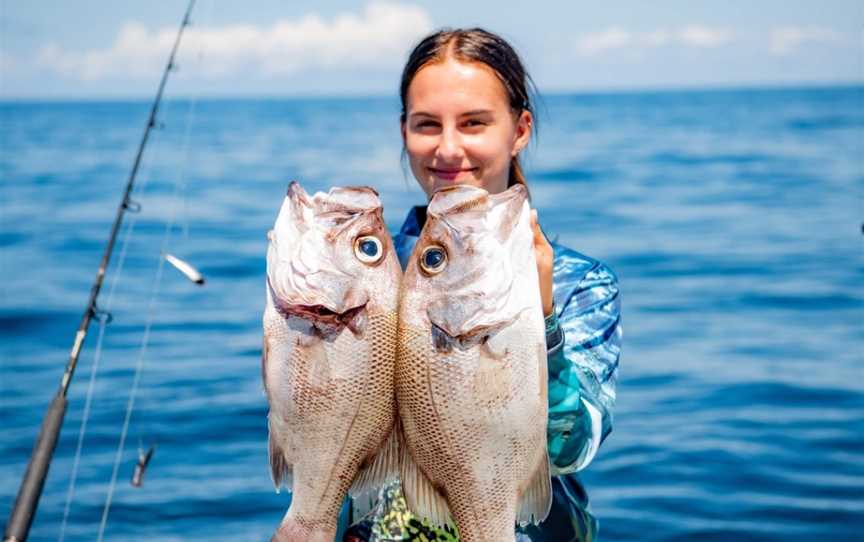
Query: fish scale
(457,433)
(324,407)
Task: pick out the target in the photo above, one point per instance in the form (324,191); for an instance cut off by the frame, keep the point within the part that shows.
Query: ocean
(733,219)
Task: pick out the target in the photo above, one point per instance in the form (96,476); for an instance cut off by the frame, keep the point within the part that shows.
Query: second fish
(471,367)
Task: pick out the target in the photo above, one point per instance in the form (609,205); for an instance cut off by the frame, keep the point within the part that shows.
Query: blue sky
(91,48)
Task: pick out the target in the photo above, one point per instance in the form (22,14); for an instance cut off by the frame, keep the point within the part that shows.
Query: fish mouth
(444,342)
(325,320)
(321,314)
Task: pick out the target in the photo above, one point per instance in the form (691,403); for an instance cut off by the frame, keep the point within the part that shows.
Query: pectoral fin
(382,468)
(280,469)
(536,501)
(420,495)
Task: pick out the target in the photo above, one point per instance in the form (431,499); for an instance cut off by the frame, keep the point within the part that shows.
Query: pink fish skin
(329,352)
(471,376)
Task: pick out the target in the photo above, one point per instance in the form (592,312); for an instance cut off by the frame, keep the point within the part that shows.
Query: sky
(53,49)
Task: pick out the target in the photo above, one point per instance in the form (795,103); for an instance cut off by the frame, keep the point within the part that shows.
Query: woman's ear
(402,129)
(524,126)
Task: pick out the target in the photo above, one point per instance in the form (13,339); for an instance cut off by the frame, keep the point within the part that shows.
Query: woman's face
(459,127)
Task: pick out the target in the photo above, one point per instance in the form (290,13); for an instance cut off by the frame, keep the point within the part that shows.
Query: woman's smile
(451,174)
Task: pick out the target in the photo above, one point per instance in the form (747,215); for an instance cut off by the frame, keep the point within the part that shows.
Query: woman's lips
(449,174)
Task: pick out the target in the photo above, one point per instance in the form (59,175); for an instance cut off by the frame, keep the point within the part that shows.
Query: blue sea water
(733,219)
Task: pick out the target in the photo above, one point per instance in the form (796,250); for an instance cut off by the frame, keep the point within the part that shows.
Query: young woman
(466,116)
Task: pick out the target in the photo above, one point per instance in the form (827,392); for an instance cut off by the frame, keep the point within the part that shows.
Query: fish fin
(420,495)
(507,209)
(280,470)
(536,501)
(383,467)
(265,351)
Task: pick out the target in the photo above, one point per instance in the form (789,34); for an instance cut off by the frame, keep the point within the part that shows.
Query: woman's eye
(368,249)
(433,260)
(474,123)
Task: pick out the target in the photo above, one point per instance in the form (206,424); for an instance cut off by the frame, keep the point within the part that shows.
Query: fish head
(473,270)
(330,258)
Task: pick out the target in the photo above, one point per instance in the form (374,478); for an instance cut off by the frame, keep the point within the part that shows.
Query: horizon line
(555,92)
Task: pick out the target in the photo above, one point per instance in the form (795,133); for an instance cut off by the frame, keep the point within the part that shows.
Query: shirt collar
(414,221)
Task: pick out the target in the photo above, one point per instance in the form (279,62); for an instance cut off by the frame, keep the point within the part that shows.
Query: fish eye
(368,249)
(433,260)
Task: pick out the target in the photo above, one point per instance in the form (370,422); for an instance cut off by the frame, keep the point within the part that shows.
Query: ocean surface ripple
(733,219)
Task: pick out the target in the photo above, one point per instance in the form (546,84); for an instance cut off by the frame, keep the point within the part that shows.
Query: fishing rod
(21,517)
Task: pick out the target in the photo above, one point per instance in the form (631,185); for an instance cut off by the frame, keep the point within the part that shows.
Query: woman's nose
(449,145)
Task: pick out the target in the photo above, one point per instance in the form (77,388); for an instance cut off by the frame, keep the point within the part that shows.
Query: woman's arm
(583,341)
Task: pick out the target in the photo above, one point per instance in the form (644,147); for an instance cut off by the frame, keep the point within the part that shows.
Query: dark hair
(476,45)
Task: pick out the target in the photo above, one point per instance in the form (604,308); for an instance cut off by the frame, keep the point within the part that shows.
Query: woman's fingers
(543,255)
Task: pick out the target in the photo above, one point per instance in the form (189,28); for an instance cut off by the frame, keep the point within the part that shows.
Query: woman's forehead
(455,86)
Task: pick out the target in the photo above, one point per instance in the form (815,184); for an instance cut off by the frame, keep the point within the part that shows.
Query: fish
(329,351)
(471,374)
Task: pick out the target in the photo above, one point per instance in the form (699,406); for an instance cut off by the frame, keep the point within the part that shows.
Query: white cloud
(787,39)
(703,36)
(693,35)
(598,42)
(378,37)
(657,38)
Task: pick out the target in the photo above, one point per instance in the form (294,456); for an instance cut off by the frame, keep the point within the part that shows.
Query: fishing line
(191,115)
(33,481)
(183,194)
(142,352)
(104,318)
(137,378)
(179,184)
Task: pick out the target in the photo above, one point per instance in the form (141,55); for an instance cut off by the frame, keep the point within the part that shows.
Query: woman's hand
(543,254)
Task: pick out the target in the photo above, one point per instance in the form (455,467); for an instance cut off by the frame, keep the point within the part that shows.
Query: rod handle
(22,514)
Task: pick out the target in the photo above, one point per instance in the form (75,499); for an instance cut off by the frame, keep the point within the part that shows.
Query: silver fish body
(471,376)
(329,353)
